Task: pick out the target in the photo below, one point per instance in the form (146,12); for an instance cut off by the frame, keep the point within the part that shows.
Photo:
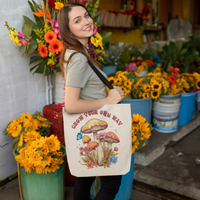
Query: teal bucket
(42,186)
(109,69)
(186,108)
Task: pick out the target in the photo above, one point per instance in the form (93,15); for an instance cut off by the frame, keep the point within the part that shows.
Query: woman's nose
(86,21)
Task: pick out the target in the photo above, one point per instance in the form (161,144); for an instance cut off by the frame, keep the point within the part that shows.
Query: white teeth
(87,28)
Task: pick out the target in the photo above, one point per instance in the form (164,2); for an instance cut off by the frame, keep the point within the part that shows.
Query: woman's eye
(87,16)
(77,21)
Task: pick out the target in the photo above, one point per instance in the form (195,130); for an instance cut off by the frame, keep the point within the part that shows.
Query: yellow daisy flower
(14,128)
(52,143)
(58,5)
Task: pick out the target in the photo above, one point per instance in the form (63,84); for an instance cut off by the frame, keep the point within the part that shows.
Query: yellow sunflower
(155,94)
(135,146)
(20,143)
(35,158)
(156,86)
(128,84)
(112,80)
(14,128)
(122,76)
(198,83)
(52,143)
(140,68)
(31,136)
(145,95)
(118,81)
(146,87)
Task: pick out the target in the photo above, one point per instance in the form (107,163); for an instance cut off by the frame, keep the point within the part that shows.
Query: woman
(84,91)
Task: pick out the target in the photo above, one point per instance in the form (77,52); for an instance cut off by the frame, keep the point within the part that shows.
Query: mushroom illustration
(86,139)
(92,126)
(91,148)
(111,138)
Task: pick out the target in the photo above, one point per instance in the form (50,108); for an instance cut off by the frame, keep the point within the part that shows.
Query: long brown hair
(70,42)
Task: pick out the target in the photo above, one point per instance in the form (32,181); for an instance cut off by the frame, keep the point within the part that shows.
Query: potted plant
(39,156)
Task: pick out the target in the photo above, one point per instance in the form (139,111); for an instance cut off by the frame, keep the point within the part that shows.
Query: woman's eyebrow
(80,16)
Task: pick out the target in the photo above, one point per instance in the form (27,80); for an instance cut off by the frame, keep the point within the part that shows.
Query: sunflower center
(156,86)
(198,84)
(154,93)
(111,81)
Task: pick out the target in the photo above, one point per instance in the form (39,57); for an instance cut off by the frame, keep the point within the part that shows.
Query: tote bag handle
(98,73)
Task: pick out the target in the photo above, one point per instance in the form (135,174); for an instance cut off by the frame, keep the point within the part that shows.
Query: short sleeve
(76,71)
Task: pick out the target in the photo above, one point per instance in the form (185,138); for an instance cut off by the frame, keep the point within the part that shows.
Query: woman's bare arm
(74,104)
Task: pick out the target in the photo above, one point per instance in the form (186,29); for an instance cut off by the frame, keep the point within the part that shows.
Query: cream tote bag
(99,142)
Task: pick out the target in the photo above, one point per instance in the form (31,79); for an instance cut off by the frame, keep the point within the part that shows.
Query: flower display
(33,147)
(141,131)
(43,36)
(155,83)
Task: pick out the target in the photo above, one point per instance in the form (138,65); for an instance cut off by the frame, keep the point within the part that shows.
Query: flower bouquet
(141,131)
(43,37)
(33,147)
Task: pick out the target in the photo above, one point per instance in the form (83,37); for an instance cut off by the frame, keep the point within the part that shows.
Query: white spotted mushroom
(93,126)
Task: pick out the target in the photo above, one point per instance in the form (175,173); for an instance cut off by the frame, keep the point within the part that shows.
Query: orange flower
(149,62)
(56,46)
(50,36)
(175,71)
(172,79)
(42,50)
(40,13)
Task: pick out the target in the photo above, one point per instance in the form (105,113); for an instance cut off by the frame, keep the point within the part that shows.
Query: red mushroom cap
(111,138)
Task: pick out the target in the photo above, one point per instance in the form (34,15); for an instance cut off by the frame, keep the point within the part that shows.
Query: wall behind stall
(20,91)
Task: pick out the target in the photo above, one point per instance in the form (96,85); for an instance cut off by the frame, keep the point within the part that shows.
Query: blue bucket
(125,190)
(126,187)
(186,108)
(109,69)
(142,107)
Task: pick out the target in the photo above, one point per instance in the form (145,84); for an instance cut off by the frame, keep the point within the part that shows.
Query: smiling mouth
(88,28)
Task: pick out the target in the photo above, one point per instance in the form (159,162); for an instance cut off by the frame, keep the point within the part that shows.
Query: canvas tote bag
(98,143)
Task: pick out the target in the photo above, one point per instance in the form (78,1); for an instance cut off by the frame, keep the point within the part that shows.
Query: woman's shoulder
(77,55)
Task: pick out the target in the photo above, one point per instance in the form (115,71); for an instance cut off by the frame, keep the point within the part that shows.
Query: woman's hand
(115,95)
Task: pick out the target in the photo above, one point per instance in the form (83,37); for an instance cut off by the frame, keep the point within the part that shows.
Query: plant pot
(143,73)
(42,186)
(186,108)
(109,69)
(59,96)
(142,107)
(166,113)
(125,190)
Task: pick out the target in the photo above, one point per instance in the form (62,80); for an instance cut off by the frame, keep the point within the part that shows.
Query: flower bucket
(165,116)
(125,190)
(42,186)
(186,108)
(59,88)
(109,69)
(143,73)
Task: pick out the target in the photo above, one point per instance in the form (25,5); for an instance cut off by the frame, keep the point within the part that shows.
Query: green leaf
(179,45)
(32,23)
(35,58)
(27,29)
(138,134)
(32,47)
(105,36)
(22,49)
(40,68)
(140,145)
(47,71)
(35,114)
(97,19)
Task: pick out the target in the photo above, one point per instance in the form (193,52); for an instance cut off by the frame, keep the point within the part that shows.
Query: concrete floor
(11,192)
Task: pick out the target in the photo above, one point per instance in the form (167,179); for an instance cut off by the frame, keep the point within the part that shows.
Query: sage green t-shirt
(79,74)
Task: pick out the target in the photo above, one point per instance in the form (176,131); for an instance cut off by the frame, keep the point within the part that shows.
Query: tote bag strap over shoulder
(98,73)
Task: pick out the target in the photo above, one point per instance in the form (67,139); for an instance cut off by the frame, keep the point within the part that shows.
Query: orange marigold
(56,46)
(42,51)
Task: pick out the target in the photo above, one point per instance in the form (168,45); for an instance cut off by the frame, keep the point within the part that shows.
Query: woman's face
(80,24)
